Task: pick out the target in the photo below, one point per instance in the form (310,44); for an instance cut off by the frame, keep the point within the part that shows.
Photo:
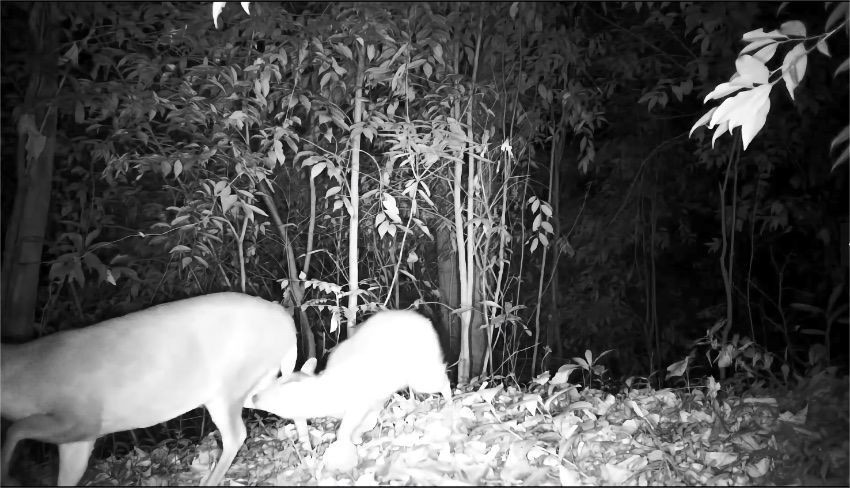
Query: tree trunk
(354,213)
(36,145)
(478,342)
(447,273)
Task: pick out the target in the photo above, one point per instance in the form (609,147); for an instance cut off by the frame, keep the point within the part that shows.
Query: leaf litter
(551,434)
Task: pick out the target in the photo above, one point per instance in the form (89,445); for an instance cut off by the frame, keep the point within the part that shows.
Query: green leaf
(390,208)
(793,28)
(227,202)
(747,109)
(702,120)
(794,67)
(837,13)
(761,34)
(278,152)
(217,7)
(757,44)
(255,209)
(678,368)
(179,220)
(752,70)
(766,54)
(317,169)
(344,51)
(822,47)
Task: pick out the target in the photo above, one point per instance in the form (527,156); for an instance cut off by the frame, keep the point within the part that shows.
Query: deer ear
(309,366)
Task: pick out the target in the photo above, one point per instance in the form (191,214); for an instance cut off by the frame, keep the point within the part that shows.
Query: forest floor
(548,434)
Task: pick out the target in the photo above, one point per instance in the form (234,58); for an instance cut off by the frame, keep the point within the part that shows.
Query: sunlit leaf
(217,7)
(751,69)
(761,33)
(725,89)
(721,129)
(766,54)
(256,209)
(757,44)
(702,120)
(822,47)
(317,169)
(227,202)
(793,28)
(837,13)
(754,117)
(794,67)
(390,208)
(678,368)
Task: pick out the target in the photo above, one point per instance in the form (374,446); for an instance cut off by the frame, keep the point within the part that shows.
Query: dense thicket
(179,145)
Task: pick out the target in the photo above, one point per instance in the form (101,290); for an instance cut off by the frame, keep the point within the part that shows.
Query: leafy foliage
(187,147)
(194,152)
